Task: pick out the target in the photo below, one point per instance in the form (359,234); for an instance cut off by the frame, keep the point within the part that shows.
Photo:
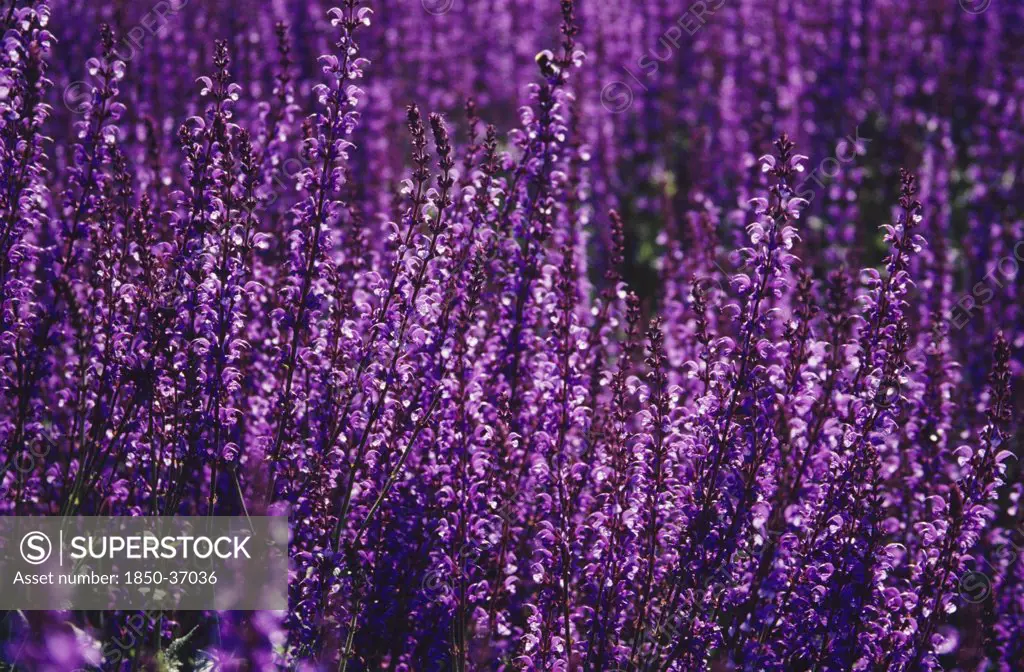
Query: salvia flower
(569,336)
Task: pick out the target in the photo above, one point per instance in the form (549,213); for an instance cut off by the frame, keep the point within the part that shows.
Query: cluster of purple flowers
(585,387)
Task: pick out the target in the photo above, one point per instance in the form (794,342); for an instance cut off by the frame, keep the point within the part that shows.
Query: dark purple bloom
(536,320)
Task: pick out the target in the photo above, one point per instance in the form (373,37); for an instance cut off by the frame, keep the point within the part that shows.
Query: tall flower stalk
(553,349)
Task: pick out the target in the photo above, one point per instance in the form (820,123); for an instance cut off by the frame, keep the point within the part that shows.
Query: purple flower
(556,351)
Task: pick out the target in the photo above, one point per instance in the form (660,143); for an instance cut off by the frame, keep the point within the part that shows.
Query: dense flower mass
(568,335)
